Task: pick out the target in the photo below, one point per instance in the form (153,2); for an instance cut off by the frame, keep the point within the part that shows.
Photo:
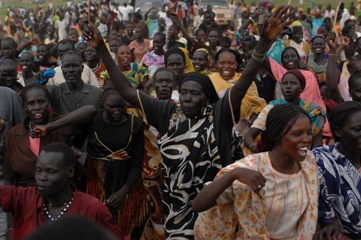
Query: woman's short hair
(340,114)
(288,48)
(230,50)
(31,86)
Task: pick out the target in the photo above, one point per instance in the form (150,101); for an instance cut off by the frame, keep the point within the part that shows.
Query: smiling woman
(244,193)
(292,85)
(26,140)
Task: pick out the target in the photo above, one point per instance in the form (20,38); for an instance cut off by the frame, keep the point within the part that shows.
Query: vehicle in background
(224,15)
(144,6)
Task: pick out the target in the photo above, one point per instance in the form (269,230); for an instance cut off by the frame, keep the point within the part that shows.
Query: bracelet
(332,54)
(258,59)
(250,18)
(10,229)
(258,54)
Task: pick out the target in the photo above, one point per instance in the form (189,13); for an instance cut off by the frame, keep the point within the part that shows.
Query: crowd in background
(162,123)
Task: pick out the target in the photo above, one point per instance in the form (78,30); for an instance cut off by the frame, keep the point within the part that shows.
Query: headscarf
(206,84)
(297,73)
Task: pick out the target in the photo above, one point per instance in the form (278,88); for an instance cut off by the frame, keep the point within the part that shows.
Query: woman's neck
(294,101)
(159,52)
(124,67)
(140,40)
(318,58)
(354,158)
(282,163)
(122,120)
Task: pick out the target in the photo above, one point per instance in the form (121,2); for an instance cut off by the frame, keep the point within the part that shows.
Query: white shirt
(87,76)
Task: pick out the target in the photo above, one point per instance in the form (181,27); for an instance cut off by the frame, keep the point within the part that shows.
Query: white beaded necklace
(48,215)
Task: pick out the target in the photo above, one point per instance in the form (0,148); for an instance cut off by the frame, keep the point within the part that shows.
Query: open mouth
(302,151)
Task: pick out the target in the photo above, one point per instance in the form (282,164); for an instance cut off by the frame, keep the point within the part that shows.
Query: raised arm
(251,19)
(332,73)
(77,117)
(120,82)
(20,48)
(180,24)
(273,26)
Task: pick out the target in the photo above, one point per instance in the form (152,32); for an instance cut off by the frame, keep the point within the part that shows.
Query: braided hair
(279,122)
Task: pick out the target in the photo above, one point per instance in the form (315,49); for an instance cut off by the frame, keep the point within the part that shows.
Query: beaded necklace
(66,208)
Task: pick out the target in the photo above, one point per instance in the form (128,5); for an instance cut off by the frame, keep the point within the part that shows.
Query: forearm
(184,31)
(245,24)
(339,50)
(250,136)
(207,198)
(239,90)
(332,77)
(77,117)
(20,48)
(118,79)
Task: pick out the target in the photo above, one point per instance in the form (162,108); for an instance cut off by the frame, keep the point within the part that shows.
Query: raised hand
(345,41)
(331,40)
(276,22)
(92,35)
(253,179)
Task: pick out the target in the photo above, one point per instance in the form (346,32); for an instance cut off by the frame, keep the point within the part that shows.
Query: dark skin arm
(184,31)
(120,82)
(248,21)
(32,41)
(77,117)
(208,196)
(332,73)
(249,139)
(273,27)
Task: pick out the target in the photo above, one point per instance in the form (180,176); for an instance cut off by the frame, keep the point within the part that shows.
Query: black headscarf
(206,84)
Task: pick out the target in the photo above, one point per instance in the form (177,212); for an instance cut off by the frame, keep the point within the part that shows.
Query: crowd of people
(163,124)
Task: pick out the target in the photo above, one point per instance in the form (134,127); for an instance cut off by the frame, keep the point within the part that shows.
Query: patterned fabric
(241,213)
(310,93)
(190,158)
(251,102)
(314,111)
(136,74)
(152,182)
(340,188)
(302,48)
(150,58)
(318,70)
(108,172)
